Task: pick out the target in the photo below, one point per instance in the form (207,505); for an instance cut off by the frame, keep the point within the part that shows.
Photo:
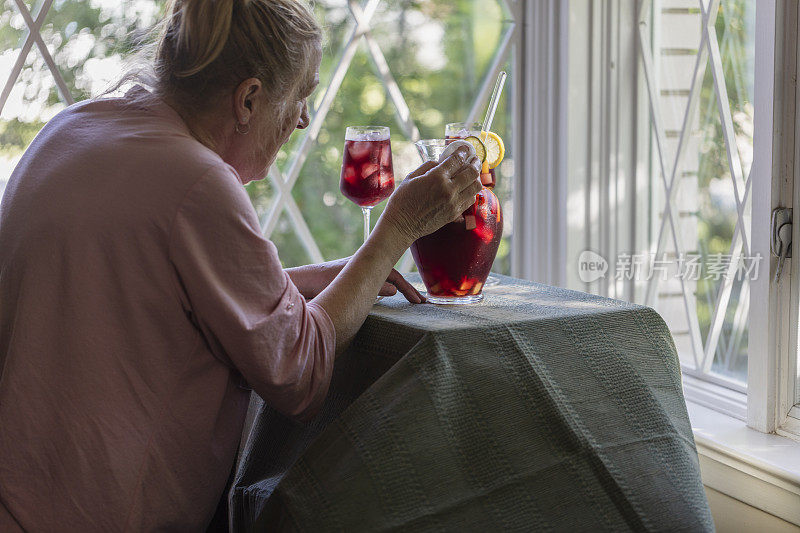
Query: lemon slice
(495,150)
(480,148)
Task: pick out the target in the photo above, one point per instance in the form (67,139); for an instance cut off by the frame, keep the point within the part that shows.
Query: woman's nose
(304,119)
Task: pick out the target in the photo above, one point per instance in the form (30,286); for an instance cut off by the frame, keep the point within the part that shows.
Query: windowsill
(758,469)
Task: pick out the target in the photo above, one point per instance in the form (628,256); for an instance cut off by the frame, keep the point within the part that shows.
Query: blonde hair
(204,47)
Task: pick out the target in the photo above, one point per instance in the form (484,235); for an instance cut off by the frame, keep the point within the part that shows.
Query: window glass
(704,292)
(438,54)
(88,42)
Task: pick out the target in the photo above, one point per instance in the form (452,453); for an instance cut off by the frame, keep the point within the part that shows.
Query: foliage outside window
(438,52)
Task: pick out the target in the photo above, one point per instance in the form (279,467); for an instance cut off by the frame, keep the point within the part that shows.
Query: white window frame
(541,207)
(540,142)
(773,326)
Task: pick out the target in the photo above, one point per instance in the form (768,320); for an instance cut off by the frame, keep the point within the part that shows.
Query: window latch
(781,243)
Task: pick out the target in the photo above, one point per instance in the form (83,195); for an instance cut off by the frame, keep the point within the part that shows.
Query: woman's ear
(245,99)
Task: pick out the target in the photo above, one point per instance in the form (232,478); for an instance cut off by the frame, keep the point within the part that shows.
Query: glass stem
(366,211)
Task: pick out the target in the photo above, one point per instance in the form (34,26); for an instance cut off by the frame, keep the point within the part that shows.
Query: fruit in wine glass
(367,174)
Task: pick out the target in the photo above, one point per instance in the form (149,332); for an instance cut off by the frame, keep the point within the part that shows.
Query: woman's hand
(433,195)
(429,198)
(312,280)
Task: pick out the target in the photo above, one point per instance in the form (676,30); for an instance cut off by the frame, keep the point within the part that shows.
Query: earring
(243,129)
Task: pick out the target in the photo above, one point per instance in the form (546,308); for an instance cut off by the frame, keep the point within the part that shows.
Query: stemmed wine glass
(367,173)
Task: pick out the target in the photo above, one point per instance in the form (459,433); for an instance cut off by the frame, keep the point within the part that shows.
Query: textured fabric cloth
(136,291)
(538,409)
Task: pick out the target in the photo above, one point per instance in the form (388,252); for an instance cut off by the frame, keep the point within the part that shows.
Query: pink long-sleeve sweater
(137,299)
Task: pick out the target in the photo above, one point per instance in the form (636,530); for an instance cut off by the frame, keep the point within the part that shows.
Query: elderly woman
(138,298)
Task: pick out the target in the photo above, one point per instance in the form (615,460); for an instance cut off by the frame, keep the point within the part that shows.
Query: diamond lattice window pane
(677,38)
(334,221)
(422,78)
(263,195)
(671,303)
(702,123)
(730,356)
(89,40)
(337,29)
(79,54)
(735,28)
(372,71)
(292,251)
(28,107)
(442,57)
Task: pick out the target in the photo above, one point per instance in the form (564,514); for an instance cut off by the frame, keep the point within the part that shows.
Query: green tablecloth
(538,409)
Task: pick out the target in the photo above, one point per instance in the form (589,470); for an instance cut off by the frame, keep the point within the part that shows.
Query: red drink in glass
(367,174)
(455,260)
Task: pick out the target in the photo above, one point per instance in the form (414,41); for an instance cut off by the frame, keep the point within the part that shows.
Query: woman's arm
(252,317)
(311,280)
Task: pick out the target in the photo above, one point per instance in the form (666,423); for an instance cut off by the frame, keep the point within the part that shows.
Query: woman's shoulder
(147,137)
(147,162)
(217,190)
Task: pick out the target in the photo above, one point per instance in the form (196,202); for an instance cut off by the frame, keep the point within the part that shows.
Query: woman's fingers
(396,282)
(453,164)
(467,197)
(467,174)
(422,169)
(405,288)
(430,198)
(388,289)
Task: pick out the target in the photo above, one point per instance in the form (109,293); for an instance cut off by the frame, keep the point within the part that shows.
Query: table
(538,409)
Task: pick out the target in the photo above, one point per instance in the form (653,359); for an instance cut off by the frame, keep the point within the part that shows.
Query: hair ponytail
(205,47)
(198,31)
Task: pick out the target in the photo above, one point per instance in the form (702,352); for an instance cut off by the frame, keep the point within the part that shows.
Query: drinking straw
(498,88)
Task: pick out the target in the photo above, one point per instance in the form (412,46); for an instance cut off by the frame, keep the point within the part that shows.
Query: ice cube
(355,134)
(463,133)
(350,174)
(368,168)
(481,208)
(360,150)
(485,233)
(373,181)
(386,154)
(387,176)
(470,223)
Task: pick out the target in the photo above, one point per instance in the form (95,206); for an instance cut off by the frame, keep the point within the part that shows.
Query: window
(677,156)
(663,190)
(699,72)
(413,66)
(76,51)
